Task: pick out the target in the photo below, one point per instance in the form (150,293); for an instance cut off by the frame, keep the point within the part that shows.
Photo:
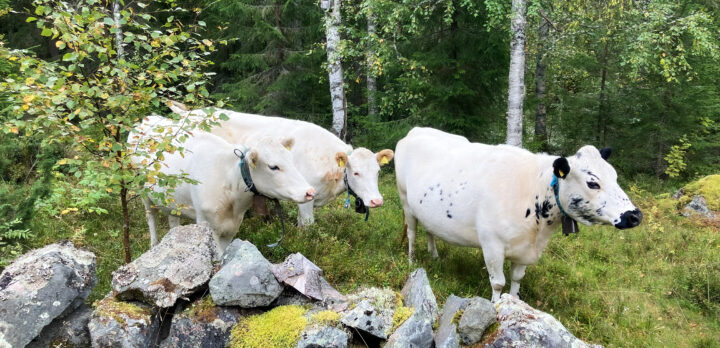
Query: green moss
(120,311)
(203,310)
(401,314)
(325,318)
(457,316)
(281,327)
(708,187)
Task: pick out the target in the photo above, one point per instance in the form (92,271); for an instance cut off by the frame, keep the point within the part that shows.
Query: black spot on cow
(449,216)
(431,188)
(575,203)
(527,212)
(451,204)
(438,185)
(441,192)
(441,199)
(542,210)
(599,211)
(549,222)
(425,195)
(421,201)
(537,222)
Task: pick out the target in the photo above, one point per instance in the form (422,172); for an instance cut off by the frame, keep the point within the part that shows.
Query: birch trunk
(540,69)
(333,21)
(516,78)
(371,82)
(123,186)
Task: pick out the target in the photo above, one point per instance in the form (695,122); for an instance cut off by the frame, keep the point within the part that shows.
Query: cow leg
(518,272)
(411,223)
(431,245)
(173,220)
(305,214)
(150,214)
(494,258)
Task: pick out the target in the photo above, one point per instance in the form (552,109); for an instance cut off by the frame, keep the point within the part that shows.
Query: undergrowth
(657,285)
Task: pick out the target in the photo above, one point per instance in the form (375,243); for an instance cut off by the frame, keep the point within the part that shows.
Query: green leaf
(46,32)
(30,19)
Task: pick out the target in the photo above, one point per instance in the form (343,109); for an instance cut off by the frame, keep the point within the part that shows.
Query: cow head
(273,172)
(589,192)
(362,171)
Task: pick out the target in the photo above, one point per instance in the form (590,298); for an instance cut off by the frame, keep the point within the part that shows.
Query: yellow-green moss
(401,314)
(281,327)
(325,318)
(119,311)
(457,316)
(708,187)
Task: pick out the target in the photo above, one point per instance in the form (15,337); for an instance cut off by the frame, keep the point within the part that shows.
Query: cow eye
(593,185)
(356,174)
(274,167)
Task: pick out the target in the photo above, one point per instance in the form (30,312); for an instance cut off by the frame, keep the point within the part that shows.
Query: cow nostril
(635,218)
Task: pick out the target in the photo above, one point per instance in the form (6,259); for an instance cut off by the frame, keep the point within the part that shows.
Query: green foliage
(10,237)
(676,158)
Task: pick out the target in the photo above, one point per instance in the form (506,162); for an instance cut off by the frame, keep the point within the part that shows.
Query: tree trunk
(123,188)
(602,107)
(371,82)
(540,68)
(333,21)
(516,78)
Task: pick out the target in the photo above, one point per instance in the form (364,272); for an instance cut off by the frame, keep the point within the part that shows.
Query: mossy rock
(325,318)
(120,310)
(280,327)
(708,187)
(400,315)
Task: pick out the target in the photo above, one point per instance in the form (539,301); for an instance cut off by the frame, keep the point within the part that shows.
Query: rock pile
(181,293)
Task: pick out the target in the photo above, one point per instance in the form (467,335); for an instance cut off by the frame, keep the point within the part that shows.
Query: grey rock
(417,330)
(123,324)
(307,278)
(290,296)
(418,294)
(698,206)
(447,335)
(476,318)
(203,325)
(245,279)
(523,326)
(42,285)
(366,318)
(323,337)
(70,330)
(177,267)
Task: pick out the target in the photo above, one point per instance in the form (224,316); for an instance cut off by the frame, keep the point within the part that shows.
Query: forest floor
(657,285)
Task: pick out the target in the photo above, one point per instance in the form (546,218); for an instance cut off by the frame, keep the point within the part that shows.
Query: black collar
(359,204)
(245,172)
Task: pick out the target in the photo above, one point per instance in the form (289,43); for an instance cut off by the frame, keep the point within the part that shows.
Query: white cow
(327,163)
(221,197)
(501,198)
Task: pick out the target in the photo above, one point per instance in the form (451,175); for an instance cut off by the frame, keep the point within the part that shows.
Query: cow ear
(561,167)
(288,143)
(385,156)
(252,158)
(341,159)
(605,153)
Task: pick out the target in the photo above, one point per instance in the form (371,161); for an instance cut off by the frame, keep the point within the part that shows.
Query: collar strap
(245,171)
(359,204)
(556,189)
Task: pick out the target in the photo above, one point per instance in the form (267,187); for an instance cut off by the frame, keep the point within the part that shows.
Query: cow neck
(359,204)
(245,171)
(569,225)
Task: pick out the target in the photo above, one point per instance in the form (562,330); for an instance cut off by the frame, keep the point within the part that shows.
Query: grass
(657,285)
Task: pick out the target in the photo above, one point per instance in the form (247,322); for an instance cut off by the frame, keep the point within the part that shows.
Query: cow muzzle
(374,203)
(629,219)
(309,194)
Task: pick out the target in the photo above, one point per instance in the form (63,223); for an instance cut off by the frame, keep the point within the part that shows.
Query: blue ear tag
(347,202)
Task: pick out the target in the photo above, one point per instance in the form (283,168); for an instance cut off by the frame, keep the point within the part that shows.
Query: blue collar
(556,189)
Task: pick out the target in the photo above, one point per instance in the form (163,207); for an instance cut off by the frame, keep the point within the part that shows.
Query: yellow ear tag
(341,163)
(561,173)
(287,147)
(252,165)
(384,160)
